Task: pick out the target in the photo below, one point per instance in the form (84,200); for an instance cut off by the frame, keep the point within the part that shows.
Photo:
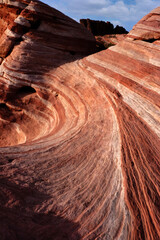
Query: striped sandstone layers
(80,136)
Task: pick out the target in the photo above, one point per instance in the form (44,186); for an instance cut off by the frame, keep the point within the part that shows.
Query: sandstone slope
(80,138)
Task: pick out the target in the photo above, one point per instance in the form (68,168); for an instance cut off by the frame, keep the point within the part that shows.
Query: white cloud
(116,22)
(119,9)
(92,2)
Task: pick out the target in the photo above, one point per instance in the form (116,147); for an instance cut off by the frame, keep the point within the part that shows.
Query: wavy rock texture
(79,137)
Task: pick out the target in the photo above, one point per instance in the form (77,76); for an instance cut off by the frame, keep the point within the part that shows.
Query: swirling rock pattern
(80,136)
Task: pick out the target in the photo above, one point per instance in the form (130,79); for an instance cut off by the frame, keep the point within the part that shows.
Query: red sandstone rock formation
(80,140)
(32,19)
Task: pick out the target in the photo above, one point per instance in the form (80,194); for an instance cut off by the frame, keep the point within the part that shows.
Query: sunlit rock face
(80,136)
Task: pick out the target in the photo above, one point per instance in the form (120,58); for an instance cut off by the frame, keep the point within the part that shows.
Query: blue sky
(124,13)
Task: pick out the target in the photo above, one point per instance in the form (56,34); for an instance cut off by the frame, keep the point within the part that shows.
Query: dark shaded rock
(120,30)
(100,28)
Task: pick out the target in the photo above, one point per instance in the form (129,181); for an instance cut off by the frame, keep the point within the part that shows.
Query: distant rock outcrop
(79,135)
(101,28)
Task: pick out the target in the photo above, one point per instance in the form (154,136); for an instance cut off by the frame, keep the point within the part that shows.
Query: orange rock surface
(80,136)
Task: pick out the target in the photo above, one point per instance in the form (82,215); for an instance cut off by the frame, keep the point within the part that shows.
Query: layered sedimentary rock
(79,156)
(101,28)
(32,18)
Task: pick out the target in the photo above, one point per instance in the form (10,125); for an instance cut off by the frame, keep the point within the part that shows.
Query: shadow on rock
(19,220)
